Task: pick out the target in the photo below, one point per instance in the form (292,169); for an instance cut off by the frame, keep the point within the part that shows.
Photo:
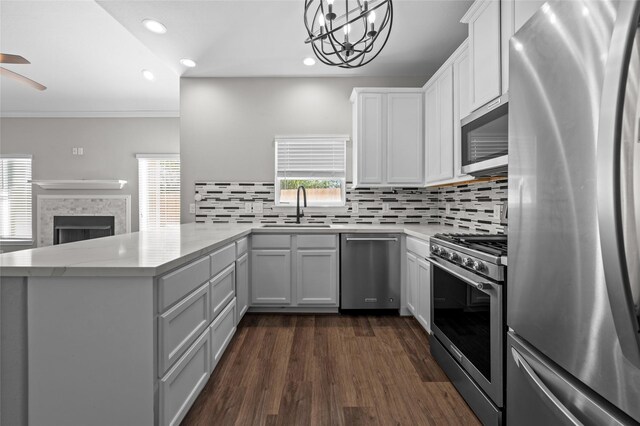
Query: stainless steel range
(468,317)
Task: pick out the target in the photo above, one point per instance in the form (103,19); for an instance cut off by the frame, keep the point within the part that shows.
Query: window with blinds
(318,163)
(158,190)
(15,199)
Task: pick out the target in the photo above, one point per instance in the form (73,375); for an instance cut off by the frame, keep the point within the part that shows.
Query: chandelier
(347,38)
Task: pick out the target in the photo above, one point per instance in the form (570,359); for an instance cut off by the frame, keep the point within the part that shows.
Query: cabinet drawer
(181,325)
(242,245)
(271,241)
(223,289)
(222,330)
(317,241)
(177,284)
(419,247)
(222,258)
(182,384)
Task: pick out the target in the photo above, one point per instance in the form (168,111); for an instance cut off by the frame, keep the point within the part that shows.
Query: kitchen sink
(296,225)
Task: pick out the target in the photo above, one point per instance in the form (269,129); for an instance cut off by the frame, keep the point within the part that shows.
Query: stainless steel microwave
(485,139)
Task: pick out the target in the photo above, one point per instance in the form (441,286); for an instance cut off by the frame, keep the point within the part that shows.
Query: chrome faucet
(299,212)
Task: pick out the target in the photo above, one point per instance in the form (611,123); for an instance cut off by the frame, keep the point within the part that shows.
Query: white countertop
(151,253)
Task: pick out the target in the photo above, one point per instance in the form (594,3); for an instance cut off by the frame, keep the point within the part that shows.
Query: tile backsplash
(471,206)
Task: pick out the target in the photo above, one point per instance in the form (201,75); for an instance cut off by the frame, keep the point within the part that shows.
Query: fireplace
(67,229)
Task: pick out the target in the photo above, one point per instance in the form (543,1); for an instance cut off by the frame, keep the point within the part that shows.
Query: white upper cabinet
(447,101)
(484,51)
(461,105)
(387,137)
(439,126)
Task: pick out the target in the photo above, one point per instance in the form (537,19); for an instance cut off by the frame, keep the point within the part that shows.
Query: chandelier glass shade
(347,34)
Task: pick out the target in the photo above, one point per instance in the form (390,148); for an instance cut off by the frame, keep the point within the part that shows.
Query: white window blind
(323,157)
(316,162)
(15,198)
(158,190)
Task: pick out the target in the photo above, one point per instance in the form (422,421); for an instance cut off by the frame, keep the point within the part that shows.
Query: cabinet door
(317,277)
(461,107)
(182,384)
(424,294)
(432,131)
(412,282)
(242,285)
(370,135)
(404,138)
(484,44)
(271,277)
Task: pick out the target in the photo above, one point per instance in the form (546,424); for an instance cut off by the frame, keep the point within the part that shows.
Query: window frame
(157,157)
(21,241)
(302,176)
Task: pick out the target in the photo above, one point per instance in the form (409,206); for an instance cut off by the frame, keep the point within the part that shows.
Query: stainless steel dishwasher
(370,271)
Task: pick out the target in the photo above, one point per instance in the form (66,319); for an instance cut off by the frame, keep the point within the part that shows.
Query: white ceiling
(90,54)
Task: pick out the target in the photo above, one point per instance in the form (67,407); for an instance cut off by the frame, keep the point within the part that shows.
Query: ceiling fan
(6,58)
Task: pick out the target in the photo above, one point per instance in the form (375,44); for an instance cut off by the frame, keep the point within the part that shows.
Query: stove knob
(478,266)
(442,252)
(467,262)
(434,249)
(454,257)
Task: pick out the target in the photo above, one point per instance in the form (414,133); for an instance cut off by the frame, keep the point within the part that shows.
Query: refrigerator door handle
(544,392)
(610,206)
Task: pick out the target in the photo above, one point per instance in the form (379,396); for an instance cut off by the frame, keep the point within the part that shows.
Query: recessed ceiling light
(148,75)
(189,63)
(309,62)
(154,26)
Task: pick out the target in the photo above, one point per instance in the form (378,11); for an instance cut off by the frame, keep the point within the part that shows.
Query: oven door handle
(479,286)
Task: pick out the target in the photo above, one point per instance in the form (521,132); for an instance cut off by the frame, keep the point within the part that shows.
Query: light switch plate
(385,207)
(74,151)
(258,207)
(80,151)
(355,208)
(497,209)
(192,208)
(447,208)
(247,207)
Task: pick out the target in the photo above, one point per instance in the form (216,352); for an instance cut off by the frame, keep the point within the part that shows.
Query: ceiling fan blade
(7,58)
(22,78)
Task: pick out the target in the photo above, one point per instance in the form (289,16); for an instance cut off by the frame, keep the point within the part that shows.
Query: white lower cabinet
(412,282)
(423,307)
(181,325)
(222,330)
(242,286)
(317,277)
(271,277)
(182,384)
(223,289)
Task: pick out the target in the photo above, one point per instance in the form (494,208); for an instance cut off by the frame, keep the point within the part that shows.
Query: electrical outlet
(247,207)
(385,207)
(80,151)
(74,151)
(497,209)
(192,208)
(447,208)
(355,208)
(258,207)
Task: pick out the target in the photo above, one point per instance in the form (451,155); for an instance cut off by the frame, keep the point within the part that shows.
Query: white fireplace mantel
(80,183)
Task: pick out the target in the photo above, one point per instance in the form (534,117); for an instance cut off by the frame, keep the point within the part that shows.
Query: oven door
(467,318)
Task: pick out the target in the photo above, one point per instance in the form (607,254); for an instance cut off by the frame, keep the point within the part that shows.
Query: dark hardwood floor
(329,370)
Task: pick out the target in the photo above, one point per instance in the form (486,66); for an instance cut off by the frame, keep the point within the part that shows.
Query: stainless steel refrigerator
(573,347)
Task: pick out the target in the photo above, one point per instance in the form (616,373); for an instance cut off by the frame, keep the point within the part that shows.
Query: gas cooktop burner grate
(495,244)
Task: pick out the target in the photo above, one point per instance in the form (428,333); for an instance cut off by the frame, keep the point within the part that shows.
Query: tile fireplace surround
(118,206)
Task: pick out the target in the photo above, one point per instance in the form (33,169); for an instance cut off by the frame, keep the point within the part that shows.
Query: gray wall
(227,125)
(110,145)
